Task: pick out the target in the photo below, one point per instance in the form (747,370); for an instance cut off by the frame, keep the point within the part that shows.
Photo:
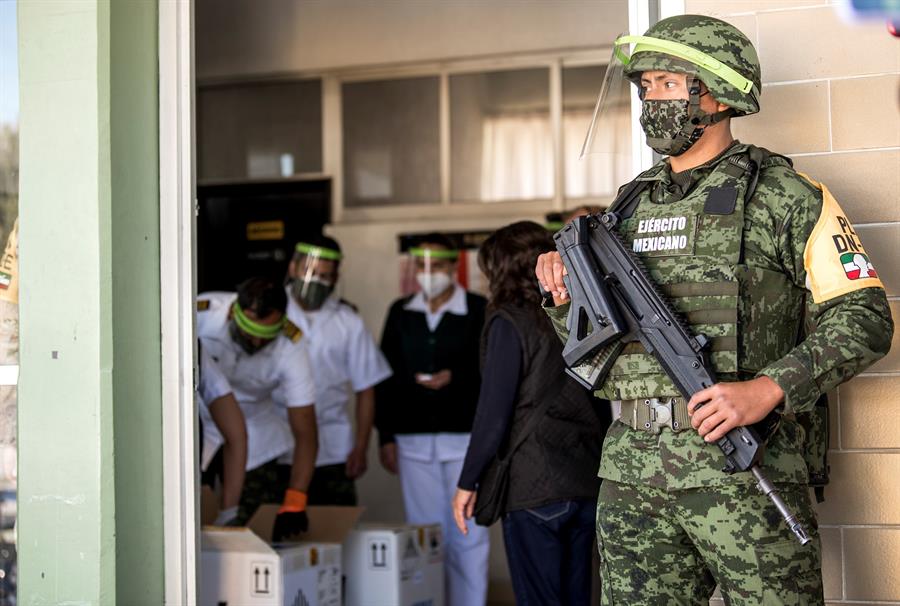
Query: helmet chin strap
(697,120)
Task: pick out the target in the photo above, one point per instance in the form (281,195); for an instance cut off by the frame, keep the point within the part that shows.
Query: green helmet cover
(714,38)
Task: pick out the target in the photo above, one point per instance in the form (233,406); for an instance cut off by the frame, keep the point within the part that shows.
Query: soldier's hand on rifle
(718,409)
(550,271)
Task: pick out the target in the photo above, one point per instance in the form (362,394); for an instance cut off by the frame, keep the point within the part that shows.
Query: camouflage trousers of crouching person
(331,486)
(659,547)
(263,484)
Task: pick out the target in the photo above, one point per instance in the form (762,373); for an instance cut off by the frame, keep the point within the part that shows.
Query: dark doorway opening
(250,229)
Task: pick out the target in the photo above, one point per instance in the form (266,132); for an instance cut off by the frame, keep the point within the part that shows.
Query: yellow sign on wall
(265,230)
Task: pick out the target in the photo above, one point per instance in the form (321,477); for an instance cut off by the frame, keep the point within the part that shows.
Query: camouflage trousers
(263,484)
(331,486)
(659,547)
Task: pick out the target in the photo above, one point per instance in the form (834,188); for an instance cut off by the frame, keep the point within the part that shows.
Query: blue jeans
(549,550)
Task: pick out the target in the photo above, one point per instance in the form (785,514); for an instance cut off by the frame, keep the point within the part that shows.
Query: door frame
(177,227)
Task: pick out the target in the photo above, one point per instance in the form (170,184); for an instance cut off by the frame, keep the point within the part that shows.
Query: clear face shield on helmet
(432,269)
(610,128)
(313,274)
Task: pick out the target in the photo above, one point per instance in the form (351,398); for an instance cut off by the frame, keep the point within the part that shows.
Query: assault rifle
(614,301)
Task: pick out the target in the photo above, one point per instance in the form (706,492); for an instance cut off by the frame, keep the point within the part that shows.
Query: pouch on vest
(815,450)
(817,425)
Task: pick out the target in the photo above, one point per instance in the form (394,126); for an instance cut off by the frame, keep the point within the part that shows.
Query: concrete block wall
(831,100)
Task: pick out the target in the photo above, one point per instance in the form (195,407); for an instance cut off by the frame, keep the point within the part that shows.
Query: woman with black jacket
(548,524)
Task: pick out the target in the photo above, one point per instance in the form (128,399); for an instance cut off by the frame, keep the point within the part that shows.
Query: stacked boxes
(381,565)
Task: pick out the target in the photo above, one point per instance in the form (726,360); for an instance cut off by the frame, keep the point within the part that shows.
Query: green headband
(434,254)
(554,225)
(318,251)
(683,51)
(262,331)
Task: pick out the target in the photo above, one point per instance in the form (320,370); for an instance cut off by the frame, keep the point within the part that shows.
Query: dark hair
(436,238)
(262,296)
(508,258)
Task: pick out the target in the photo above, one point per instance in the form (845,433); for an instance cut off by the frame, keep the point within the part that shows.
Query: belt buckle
(661,413)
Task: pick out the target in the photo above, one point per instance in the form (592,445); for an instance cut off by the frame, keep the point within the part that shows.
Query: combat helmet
(707,50)
(710,49)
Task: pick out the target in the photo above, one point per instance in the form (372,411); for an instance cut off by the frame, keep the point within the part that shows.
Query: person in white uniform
(345,361)
(263,357)
(216,402)
(424,412)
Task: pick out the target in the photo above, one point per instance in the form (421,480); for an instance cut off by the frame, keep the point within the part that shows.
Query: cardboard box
(394,565)
(242,567)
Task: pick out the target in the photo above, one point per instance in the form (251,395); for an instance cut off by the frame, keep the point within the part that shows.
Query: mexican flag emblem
(857,265)
(5,279)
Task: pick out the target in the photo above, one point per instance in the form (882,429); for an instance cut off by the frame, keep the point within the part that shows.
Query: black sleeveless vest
(559,460)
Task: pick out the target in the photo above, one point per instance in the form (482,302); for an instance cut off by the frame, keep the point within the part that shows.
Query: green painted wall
(137,390)
(90,484)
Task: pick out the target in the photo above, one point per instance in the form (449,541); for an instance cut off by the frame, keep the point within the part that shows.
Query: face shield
(432,269)
(610,125)
(609,133)
(251,334)
(313,272)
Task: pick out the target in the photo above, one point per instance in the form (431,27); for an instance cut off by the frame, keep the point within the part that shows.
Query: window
(391,142)
(598,174)
(501,138)
(259,131)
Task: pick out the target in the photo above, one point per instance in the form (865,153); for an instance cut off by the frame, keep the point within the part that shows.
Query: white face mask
(433,284)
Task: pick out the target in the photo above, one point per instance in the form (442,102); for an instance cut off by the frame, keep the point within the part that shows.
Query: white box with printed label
(400,565)
(241,567)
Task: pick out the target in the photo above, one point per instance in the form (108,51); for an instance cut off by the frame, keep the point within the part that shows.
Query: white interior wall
(247,38)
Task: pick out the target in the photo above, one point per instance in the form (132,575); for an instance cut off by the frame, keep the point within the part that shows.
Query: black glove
(288,524)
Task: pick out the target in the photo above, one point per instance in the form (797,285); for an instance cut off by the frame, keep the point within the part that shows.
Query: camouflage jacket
(783,219)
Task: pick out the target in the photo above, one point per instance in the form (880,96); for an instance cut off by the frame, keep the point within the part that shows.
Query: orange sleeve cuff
(294,501)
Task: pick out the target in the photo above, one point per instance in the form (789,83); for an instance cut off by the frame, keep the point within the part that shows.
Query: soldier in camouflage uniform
(744,248)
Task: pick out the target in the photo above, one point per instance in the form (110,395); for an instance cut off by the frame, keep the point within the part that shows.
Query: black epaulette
(292,331)
(202,304)
(650,173)
(350,305)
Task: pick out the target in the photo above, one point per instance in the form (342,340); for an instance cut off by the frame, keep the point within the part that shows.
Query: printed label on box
(260,579)
(378,555)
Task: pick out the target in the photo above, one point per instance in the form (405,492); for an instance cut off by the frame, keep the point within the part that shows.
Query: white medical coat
(345,360)
(275,377)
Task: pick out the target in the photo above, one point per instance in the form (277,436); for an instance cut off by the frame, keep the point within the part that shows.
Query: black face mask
(311,295)
(246,342)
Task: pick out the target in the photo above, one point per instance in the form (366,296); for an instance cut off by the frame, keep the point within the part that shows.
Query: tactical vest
(693,249)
